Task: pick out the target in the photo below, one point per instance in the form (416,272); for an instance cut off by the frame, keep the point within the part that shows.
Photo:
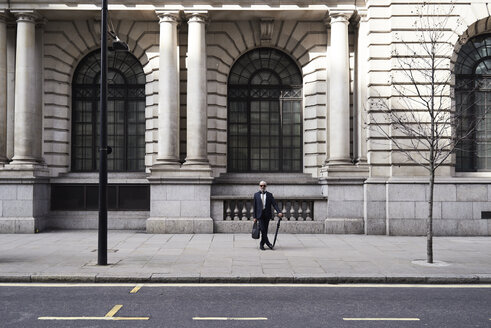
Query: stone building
(214,96)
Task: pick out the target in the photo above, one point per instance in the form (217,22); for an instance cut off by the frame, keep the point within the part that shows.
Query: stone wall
(400,207)
(23,206)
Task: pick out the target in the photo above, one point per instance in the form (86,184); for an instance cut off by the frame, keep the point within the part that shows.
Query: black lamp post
(104,150)
(102,238)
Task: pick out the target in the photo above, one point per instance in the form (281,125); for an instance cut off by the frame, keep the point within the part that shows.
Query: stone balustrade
(236,208)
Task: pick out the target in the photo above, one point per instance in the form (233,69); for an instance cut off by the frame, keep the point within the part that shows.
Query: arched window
(473,101)
(125,113)
(265,113)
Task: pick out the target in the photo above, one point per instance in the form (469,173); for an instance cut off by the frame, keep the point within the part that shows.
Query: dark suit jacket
(258,205)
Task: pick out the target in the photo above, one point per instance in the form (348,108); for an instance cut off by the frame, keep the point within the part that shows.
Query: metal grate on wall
(85,197)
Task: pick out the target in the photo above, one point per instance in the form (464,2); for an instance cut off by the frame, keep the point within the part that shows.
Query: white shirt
(263,199)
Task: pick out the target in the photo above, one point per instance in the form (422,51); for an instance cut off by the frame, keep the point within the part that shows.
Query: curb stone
(437,280)
(63,278)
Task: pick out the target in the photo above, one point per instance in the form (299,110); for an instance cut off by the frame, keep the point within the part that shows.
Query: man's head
(262,185)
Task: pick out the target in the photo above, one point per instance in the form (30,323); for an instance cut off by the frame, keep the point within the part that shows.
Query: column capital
(29,16)
(340,16)
(327,20)
(168,16)
(4,16)
(360,17)
(362,14)
(197,16)
(41,22)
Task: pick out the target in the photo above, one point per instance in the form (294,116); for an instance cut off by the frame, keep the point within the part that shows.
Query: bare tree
(419,119)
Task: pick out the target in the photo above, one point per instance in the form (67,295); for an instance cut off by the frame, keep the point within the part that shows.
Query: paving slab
(134,256)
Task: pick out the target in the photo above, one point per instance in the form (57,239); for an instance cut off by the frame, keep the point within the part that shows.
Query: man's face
(262,186)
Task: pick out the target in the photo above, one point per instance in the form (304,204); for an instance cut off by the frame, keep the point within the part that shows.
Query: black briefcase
(255,231)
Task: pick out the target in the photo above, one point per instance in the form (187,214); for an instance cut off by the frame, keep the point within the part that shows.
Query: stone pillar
(3,88)
(11,40)
(197,153)
(361,87)
(168,141)
(180,199)
(28,117)
(39,73)
(339,91)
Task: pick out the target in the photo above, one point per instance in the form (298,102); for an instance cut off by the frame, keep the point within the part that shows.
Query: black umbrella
(276,233)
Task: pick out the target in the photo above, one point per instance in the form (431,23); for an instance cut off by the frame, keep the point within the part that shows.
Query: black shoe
(261,247)
(270,246)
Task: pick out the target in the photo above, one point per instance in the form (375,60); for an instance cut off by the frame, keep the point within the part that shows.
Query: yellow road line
(381,319)
(229,318)
(108,316)
(94,318)
(114,310)
(136,289)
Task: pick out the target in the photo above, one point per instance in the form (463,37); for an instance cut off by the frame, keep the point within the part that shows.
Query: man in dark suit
(263,201)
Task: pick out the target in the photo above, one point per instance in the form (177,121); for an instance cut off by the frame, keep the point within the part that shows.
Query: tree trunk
(429,226)
(433,145)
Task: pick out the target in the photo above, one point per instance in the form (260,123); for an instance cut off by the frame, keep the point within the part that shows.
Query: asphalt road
(29,305)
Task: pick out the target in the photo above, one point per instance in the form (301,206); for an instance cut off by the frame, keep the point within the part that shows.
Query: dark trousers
(263,227)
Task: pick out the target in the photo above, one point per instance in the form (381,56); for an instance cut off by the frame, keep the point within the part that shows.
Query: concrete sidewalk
(71,256)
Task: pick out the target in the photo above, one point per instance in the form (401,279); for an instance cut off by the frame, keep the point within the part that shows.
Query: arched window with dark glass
(265,113)
(125,113)
(473,104)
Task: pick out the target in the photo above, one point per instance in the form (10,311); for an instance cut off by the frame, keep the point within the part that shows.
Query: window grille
(125,113)
(265,113)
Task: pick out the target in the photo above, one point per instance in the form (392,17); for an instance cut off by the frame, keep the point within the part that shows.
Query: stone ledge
(271,178)
(176,225)
(301,227)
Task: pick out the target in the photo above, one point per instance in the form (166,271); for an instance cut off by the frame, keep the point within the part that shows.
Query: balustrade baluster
(292,210)
(284,210)
(236,211)
(244,211)
(228,211)
(251,211)
(307,212)
(300,211)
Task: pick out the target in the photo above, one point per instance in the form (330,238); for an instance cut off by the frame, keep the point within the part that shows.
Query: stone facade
(352,179)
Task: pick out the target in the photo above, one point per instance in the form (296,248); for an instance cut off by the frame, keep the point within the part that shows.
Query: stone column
(3,88)
(168,142)
(197,153)
(361,87)
(11,39)
(180,199)
(339,91)
(39,73)
(28,118)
